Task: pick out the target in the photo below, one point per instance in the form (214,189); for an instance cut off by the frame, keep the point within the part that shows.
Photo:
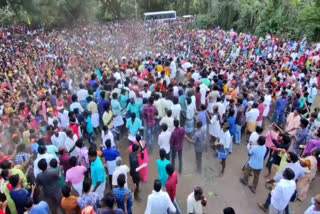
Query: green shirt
(98,173)
(163,176)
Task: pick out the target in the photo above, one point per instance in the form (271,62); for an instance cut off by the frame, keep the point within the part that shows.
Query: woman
(143,158)
(214,125)
(88,198)
(311,162)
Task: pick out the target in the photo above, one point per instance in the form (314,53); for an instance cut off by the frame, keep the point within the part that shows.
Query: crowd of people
(72,98)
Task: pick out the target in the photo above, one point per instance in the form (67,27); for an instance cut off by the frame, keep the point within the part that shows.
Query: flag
(29,21)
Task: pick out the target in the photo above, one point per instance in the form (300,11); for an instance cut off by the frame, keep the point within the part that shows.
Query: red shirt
(177,138)
(171,185)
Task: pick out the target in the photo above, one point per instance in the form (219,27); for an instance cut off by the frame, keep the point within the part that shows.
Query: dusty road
(220,191)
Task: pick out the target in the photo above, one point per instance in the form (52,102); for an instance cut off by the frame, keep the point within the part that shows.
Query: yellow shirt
(107,119)
(93,107)
(159,68)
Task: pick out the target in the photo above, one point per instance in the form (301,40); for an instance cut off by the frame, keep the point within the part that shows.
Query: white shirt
(253,138)
(176,109)
(60,140)
(311,210)
(123,169)
(64,118)
(46,156)
(203,91)
(107,136)
(195,76)
(145,94)
(169,121)
(69,143)
(281,195)
(75,105)
(252,115)
(159,203)
(173,69)
(193,206)
(82,94)
(164,141)
(226,139)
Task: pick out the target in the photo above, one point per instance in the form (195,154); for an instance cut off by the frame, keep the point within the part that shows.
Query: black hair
(259,129)
(176,123)
(261,140)
(293,157)
(86,185)
(53,163)
(121,180)
(228,210)
(162,154)
(157,185)
(170,169)
(42,150)
(29,203)
(135,147)
(288,174)
(42,164)
(92,152)
(108,143)
(66,191)
(14,180)
(6,164)
(73,161)
(164,127)
(109,200)
(79,143)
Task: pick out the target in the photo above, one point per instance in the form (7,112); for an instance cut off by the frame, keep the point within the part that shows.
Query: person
(107,134)
(190,113)
(94,113)
(280,107)
(199,141)
(110,154)
(89,198)
(161,164)
(143,158)
(171,186)
(19,194)
(123,195)
(301,136)
(293,122)
(134,167)
(251,117)
(120,169)
(176,143)
(134,126)
(59,138)
(75,175)
(214,125)
(315,205)
(168,120)
(109,201)
(150,112)
(255,164)
(196,201)
(40,208)
(225,142)
(98,174)
(284,190)
(89,127)
(240,120)
(69,203)
(164,140)
(228,210)
(310,163)
(158,201)
(49,180)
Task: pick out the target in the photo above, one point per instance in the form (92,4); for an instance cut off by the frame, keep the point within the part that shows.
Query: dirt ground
(220,191)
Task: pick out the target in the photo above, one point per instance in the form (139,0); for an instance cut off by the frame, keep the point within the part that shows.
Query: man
(315,207)
(63,116)
(93,109)
(168,119)
(106,134)
(150,113)
(82,95)
(240,120)
(134,126)
(196,201)
(164,140)
(98,174)
(110,154)
(75,104)
(280,107)
(69,203)
(42,154)
(49,179)
(261,108)
(255,164)
(110,200)
(173,68)
(176,142)
(158,201)
(199,141)
(251,117)
(294,165)
(120,169)
(284,190)
(120,194)
(171,186)
(58,138)
(41,207)
(75,175)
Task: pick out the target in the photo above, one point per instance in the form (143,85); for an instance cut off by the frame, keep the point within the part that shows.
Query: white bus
(161,15)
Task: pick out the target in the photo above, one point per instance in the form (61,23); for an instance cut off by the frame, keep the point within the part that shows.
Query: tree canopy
(292,19)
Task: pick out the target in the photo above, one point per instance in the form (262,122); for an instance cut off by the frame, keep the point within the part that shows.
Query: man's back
(158,203)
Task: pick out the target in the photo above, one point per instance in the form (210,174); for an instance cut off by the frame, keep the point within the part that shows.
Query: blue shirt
(280,105)
(98,173)
(135,126)
(110,154)
(182,102)
(102,104)
(135,108)
(119,194)
(89,125)
(41,208)
(123,100)
(232,125)
(296,167)
(202,116)
(257,156)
